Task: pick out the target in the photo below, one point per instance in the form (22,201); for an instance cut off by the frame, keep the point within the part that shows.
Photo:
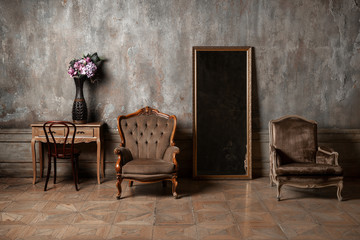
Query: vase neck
(79,83)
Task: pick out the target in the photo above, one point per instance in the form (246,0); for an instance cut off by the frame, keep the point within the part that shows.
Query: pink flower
(88,59)
(76,65)
(72,72)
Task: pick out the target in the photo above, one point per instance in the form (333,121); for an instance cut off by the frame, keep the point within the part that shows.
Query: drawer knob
(80,132)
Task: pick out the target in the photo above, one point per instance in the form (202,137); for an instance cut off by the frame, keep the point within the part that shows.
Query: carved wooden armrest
(170,154)
(326,155)
(124,156)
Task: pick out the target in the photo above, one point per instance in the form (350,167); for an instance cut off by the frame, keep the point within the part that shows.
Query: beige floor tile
(211,206)
(181,232)
(45,232)
(53,217)
(39,186)
(74,196)
(213,218)
(246,205)
(17,218)
(304,231)
(95,217)
(65,206)
(343,232)
(234,194)
(13,231)
(218,232)
(174,217)
(320,205)
(333,218)
(9,196)
(254,218)
(19,186)
(35,196)
(208,196)
(26,206)
(100,206)
(83,186)
(4,204)
(85,232)
(171,204)
(274,205)
(130,232)
(250,232)
(215,209)
(136,212)
(102,195)
(292,217)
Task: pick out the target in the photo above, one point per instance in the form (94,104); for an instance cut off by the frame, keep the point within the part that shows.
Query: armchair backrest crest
(147,133)
(295,138)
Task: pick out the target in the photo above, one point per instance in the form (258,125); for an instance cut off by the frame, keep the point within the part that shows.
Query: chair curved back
(53,142)
(147,133)
(295,138)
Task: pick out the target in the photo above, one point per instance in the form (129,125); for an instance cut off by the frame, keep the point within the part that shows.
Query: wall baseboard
(15,152)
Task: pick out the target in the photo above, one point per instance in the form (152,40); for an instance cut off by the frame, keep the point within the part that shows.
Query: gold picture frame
(221,106)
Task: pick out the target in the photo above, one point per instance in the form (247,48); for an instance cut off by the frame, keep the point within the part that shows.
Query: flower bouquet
(85,66)
(80,70)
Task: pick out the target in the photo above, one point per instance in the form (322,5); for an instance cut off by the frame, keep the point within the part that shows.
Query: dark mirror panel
(221,112)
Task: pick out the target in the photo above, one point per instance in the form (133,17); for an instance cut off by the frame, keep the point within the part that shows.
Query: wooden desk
(85,133)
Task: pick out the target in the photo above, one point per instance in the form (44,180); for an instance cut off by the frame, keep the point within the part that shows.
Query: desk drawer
(57,131)
(83,132)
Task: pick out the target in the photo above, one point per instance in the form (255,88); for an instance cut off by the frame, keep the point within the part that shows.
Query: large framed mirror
(222,112)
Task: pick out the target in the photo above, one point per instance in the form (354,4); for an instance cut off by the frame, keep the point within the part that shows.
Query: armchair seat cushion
(308,169)
(148,166)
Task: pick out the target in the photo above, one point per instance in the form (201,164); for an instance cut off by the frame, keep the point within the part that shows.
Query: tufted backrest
(295,138)
(147,133)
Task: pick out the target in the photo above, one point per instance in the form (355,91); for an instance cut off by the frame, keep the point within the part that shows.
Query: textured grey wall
(307,56)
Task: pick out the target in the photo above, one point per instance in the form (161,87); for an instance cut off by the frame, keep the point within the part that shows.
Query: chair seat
(308,169)
(66,154)
(148,166)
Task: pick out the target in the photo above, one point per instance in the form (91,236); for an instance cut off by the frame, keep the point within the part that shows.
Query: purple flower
(84,67)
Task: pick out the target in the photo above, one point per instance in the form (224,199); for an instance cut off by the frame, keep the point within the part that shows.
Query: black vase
(79,110)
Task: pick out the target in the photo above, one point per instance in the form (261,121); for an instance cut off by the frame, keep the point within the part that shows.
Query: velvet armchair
(147,152)
(296,159)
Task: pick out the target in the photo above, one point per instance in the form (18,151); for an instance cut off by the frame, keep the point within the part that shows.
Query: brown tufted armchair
(147,151)
(296,159)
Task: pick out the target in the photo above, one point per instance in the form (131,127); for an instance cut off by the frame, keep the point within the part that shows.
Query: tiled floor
(232,209)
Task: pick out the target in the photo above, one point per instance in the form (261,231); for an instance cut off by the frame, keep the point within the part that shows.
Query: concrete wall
(307,57)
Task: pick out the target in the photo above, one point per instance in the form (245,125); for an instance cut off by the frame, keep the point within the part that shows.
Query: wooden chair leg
(118,185)
(48,173)
(54,170)
(174,185)
(278,188)
(77,170)
(339,190)
(131,183)
(74,173)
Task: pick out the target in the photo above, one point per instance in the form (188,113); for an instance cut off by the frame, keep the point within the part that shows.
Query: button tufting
(146,142)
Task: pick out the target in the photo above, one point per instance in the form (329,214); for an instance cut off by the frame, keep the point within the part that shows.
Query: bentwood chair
(147,151)
(296,160)
(60,146)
